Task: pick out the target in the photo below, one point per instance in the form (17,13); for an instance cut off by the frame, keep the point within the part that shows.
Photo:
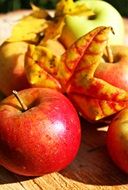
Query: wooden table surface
(92,168)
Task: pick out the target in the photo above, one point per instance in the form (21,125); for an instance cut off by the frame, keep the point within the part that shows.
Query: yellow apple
(12,72)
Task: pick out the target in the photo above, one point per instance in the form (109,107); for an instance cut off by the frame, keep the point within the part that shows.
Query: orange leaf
(86,47)
(94,97)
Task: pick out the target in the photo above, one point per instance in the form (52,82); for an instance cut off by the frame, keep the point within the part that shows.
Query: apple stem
(109,53)
(24,107)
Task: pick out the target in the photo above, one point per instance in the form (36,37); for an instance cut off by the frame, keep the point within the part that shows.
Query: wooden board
(92,169)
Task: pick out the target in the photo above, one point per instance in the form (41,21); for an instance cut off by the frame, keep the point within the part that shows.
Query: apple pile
(94,97)
(70,64)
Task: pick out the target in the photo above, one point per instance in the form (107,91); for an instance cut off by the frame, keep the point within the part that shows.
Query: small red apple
(117,140)
(115,73)
(41,138)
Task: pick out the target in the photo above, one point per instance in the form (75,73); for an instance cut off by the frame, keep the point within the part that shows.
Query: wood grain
(92,168)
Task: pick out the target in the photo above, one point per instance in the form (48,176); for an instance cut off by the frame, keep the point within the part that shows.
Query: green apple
(104,15)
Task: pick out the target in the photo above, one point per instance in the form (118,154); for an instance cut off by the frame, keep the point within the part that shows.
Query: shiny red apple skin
(117,140)
(41,140)
(115,73)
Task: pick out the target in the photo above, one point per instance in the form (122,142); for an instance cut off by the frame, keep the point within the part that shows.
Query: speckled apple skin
(41,140)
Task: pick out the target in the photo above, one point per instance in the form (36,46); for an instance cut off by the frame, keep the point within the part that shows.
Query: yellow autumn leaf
(41,66)
(39,12)
(63,8)
(30,27)
(69,7)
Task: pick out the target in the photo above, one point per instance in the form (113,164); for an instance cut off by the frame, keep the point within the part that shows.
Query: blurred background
(9,5)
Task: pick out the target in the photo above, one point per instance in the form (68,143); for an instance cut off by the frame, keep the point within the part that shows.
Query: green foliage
(9,5)
(121,6)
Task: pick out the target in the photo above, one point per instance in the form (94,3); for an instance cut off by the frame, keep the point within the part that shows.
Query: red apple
(115,73)
(117,140)
(12,72)
(43,138)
